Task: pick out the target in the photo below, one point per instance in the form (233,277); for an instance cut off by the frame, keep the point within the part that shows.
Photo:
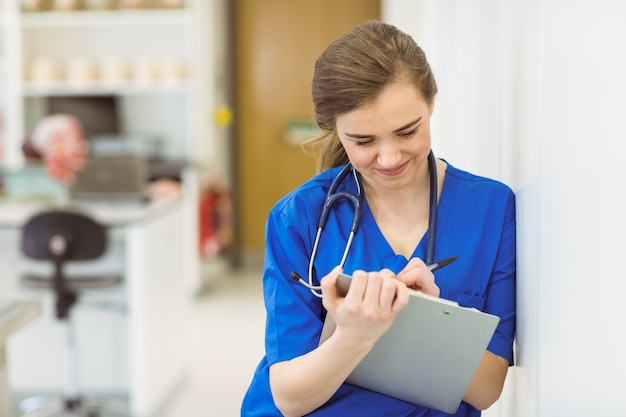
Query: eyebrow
(398,130)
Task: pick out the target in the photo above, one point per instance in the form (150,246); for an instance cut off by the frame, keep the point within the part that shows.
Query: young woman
(374,94)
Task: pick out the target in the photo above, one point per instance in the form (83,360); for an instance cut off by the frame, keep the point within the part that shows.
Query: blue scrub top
(475,221)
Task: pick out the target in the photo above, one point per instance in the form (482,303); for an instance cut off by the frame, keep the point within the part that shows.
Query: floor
(224,345)
(226,331)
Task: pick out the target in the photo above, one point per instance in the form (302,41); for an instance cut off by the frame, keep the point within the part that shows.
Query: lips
(393,171)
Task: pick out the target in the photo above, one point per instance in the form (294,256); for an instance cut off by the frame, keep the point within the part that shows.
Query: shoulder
(475,183)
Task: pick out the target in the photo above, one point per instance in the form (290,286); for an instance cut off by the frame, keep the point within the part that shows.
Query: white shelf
(178,113)
(88,18)
(65,88)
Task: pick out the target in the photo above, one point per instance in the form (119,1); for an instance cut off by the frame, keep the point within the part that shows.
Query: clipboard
(429,354)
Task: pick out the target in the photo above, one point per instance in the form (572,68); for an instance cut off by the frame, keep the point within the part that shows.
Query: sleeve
(294,314)
(501,294)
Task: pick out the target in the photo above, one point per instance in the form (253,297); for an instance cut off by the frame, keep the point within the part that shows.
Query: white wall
(582,206)
(532,93)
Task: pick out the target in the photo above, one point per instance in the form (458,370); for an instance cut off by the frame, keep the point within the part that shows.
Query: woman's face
(388,139)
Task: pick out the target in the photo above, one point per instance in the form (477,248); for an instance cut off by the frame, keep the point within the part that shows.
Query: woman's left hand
(417,276)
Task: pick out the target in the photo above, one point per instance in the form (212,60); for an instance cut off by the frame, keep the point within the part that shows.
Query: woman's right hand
(362,317)
(369,307)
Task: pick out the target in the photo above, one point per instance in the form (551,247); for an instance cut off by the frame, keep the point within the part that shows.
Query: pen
(440,264)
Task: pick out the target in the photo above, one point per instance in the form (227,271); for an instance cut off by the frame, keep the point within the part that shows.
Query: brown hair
(353,70)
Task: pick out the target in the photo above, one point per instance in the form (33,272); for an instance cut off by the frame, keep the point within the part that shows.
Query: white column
(554,82)
(572,283)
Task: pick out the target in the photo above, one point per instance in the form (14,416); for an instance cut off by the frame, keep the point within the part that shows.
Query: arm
(486,385)
(303,384)
(488,381)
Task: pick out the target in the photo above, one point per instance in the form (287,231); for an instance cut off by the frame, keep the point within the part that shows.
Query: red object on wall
(215,228)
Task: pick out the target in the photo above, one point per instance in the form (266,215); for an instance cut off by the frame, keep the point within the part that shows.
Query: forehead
(397,104)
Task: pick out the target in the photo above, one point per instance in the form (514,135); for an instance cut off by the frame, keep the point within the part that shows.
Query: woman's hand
(369,307)
(302,384)
(417,276)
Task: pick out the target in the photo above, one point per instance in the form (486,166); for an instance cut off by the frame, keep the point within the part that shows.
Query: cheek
(359,156)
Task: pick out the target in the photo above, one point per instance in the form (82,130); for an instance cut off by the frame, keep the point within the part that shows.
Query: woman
(374,92)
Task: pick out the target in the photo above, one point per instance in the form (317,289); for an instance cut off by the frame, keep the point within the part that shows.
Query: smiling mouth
(394,171)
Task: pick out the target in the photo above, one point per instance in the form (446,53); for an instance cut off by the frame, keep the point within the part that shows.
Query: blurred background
(205,102)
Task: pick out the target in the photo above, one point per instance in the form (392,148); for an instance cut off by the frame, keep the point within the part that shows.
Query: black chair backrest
(62,235)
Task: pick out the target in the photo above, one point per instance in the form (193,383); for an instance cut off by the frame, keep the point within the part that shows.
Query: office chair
(59,236)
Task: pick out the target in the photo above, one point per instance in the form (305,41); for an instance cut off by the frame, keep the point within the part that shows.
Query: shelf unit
(3,74)
(177,111)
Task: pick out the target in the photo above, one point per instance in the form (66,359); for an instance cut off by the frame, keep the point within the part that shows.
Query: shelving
(179,38)
(178,48)
(3,75)
(109,18)
(64,88)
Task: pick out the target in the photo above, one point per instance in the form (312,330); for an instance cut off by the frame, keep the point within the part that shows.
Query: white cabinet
(3,74)
(173,59)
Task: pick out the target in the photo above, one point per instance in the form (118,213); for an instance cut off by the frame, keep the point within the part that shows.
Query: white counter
(14,314)
(13,213)
(138,353)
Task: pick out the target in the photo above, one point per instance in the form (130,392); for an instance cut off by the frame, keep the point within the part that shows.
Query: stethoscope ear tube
(330,201)
(357,201)
(432,211)
(332,196)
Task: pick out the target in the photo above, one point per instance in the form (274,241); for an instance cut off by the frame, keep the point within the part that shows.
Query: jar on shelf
(100,4)
(81,70)
(35,5)
(114,70)
(144,70)
(43,70)
(171,69)
(171,4)
(133,4)
(66,5)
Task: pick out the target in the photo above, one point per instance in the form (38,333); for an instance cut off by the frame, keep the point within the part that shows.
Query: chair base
(83,406)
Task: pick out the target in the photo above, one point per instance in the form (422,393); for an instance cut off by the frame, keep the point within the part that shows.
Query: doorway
(276,44)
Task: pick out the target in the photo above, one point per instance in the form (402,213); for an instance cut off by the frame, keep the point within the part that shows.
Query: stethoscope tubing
(357,201)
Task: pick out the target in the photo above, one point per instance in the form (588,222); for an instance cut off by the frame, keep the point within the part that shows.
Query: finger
(329,289)
(388,288)
(430,288)
(418,277)
(388,292)
(401,299)
(413,264)
(414,275)
(424,282)
(387,273)
(329,280)
(357,286)
(372,292)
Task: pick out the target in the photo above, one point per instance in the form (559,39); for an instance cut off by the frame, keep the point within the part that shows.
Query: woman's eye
(363,142)
(407,134)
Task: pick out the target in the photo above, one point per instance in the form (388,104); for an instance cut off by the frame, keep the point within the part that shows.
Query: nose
(389,155)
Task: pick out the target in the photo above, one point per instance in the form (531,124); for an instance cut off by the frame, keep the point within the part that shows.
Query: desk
(13,316)
(153,363)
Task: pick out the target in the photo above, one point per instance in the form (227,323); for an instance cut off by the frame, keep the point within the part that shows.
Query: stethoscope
(357,201)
